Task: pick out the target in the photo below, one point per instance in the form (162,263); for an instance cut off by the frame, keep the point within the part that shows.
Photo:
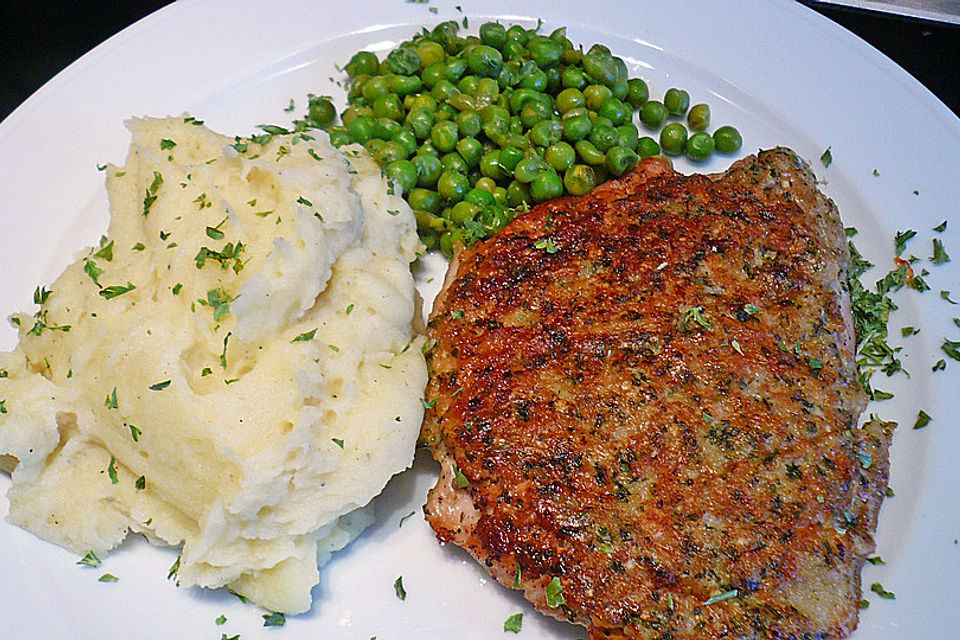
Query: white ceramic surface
(779,72)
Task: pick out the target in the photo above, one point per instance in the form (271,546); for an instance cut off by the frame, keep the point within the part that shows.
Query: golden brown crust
(651,392)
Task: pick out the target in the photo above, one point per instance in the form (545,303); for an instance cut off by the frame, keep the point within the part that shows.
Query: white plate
(781,73)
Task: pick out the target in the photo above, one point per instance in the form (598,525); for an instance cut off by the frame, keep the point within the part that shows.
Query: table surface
(41,38)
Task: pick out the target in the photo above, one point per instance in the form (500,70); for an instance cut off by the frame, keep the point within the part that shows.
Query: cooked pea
(627,136)
(616,111)
(493,34)
(599,66)
(727,139)
(546,186)
(535,111)
(468,123)
(374,145)
(454,68)
(620,160)
(509,75)
(375,87)
(479,197)
(513,50)
(407,140)
(579,179)
(647,146)
(430,53)
(353,111)
(573,78)
(487,89)
(699,117)
(420,121)
(677,101)
(508,158)
(700,146)
(445,112)
(442,90)
(469,84)
(576,127)
(390,152)
(433,74)
(485,61)
(545,132)
(388,106)
(528,169)
(535,80)
(463,211)
(518,34)
(517,194)
(360,129)
(356,87)
(544,51)
(443,135)
(362,62)
(452,186)
(448,240)
(423,101)
(427,149)
(603,137)
(339,136)
(429,169)
(470,149)
(595,95)
(499,195)
(637,92)
(403,173)
(653,114)
(490,165)
(402,60)
(385,128)
(321,111)
(453,161)
(570,98)
(673,139)
(485,183)
(425,219)
(462,102)
(588,153)
(554,83)
(560,156)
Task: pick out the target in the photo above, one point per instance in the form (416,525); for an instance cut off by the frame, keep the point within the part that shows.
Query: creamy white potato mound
(234,369)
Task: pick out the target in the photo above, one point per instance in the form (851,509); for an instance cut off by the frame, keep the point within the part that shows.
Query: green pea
(362,62)
(321,111)
(353,111)
(493,34)
(554,83)
(518,34)
(545,133)
(616,111)
(360,129)
(620,160)
(374,145)
(452,186)
(637,92)
(700,146)
(544,51)
(727,139)
(699,117)
(468,123)
(536,81)
(573,78)
(403,173)
(427,149)
(570,98)
(390,152)
(673,138)
(356,88)
(479,197)
(572,57)
(425,219)
(627,136)
(406,140)
(509,75)
(589,153)
(493,112)
(463,211)
(429,169)
(385,128)
(404,85)
(339,137)
(518,193)
(453,161)
(490,165)
(599,121)
(443,135)
(430,53)
(653,114)
(470,149)
(488,89)
(546,186)
(579,179)
(500,195)
(454,68)
(442,90)
(513,50)
(420,121)
(485,61)
(485,183)
(596,95)
(375,87)
(647,146)
(604,137)
(576,128)
(449,240)
(446,112)
(677,101)
(599,66)
(508,158)
(433,74)
(462,102)
(469,84)
(529,168)
(535,111)
(520,97)
(560,156)
(423,101)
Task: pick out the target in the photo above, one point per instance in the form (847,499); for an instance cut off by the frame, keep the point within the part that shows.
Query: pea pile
(474,129)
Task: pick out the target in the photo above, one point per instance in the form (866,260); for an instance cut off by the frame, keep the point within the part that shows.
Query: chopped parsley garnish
(876,560)
(459,480)
(878,589)
(939,253)
(428,405)
(456,314)
(405,518)
(160,386)
(696,314)
(106,251)
(334,348)
(219,301)
(3,406)
(513,623)
(547,244)
(398,588)
(946,296)
(174,568)
(274,619)
(901,239)
(112,470)
(89,560)
(167,144)
(306,336)
(726,595)
(516,577)
(951,348)
(202,202)
(939,365)
(140,484)
(940,228)
(304,201)
(909,331)
(827,157)
(107,577)
(338,442)
(113,291)
(554,593)
(135,432)
(176,289)
(111,401)
(923,419)
(139,246)
(214,233)
(40,295)
(230,252)
(393,212)
(221,619)
(91,269)
(223,354)
(349,308)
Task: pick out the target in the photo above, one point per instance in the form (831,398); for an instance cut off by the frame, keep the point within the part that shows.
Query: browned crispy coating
(650,394)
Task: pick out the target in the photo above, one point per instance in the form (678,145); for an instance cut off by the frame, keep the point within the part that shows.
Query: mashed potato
(234,368)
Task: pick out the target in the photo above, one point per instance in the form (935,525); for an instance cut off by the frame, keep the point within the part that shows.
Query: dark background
(38,39)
